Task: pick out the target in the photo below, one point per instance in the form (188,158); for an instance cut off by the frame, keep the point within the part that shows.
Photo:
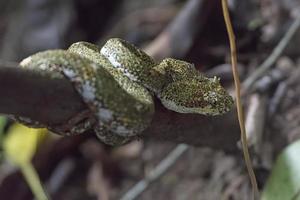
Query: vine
(239,107)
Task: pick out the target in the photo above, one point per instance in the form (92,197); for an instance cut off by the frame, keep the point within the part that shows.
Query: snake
(118,83)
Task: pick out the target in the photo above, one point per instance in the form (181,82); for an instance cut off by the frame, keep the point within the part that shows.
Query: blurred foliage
(284,181)
(21,143)
(19,147)
(3,121)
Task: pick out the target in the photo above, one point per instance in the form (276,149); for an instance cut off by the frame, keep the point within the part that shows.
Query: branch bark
(53,101)
(31,94)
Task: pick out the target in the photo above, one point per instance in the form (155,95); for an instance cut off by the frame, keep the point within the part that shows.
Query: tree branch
(53,101)
(31,94)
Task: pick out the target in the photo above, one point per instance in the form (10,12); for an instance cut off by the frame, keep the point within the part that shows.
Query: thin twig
(277,98)
(255,121)
(154,175)
(59,175)
(238,98)
(268,63)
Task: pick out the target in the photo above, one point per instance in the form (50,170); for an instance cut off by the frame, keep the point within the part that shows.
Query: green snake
(118,81)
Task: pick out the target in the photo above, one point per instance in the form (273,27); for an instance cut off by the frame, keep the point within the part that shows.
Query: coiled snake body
(117,83)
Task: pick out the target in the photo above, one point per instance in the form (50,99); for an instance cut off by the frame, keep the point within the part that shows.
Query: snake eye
(216,79)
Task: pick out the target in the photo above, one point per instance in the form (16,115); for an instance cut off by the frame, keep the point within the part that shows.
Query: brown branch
(219,132)
(53,101)
(31,94)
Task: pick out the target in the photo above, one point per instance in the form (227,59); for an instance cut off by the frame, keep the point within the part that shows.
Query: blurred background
(81,167)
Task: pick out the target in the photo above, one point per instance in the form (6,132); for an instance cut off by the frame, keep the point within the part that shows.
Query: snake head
(197,95)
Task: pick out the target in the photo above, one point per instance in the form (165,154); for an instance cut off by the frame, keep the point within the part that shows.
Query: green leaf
(3,121)
(21,143)
(2,124)
(284,181)
(19,147)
